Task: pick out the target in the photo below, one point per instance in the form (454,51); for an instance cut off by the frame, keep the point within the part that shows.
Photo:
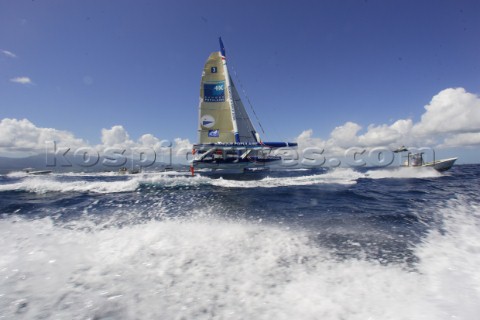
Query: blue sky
(304,64)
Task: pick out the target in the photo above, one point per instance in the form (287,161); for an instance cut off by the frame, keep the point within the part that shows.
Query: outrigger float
(226,135)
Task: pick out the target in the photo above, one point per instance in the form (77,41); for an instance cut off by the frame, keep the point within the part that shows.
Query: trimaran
(226,135)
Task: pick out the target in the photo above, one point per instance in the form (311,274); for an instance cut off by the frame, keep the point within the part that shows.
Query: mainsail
(222,116)
(216,123)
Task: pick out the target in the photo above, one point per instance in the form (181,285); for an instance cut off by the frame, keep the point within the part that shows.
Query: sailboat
(227,139)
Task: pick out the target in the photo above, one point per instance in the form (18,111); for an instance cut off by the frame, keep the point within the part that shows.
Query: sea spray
(317,245)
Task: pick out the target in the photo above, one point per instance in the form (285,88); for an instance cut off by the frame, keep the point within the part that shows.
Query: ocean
(391,243)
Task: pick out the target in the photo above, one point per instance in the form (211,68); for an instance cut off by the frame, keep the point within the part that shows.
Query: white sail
(246,130)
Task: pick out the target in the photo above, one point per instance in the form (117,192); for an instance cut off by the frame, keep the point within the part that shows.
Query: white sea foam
(87,174)
(174,180)
(50,184)
(55,183)
(403,172)
(17,174)
(339,176)
(44,184)
(209,269)
(192,270)
(336,176)
(451,258)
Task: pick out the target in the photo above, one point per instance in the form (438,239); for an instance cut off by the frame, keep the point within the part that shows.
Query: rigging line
(248,99)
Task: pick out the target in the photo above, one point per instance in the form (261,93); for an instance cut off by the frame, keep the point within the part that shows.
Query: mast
(229,87)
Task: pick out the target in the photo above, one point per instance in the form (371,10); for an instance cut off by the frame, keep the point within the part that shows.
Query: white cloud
(345,135)
(462,140)
(306,140)
(21,80)
(22,136)
(384,135)
(8,53)
(149,140)
(451,119)
(117,136)
(180,145)
(450,111)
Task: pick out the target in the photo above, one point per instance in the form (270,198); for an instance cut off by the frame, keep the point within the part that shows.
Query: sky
(318,72)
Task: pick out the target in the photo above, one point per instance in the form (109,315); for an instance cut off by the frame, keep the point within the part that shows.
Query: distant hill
(70,164)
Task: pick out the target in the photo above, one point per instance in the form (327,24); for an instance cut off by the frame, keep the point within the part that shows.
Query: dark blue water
(304,244)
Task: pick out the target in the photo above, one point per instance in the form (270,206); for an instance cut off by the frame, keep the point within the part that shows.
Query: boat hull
(240,164)
(38,172)
(441,165)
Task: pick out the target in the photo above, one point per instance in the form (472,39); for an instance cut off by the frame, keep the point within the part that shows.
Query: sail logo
(213,133)
(214,92)
(213,69)
(207,121)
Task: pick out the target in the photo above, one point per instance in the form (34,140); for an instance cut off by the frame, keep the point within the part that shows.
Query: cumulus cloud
(150,141)
(451,119)
(306,140)
(22,136)
(345,135)
(386,134)
(181,145)
(450,111)
(462,140)
(116,136)
(21,80)
(8,53)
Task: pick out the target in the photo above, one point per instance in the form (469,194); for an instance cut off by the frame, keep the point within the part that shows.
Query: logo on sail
(214,92)
(213,133)
(207,121)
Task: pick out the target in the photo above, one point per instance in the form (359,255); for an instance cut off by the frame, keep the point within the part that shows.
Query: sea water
(398,243)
